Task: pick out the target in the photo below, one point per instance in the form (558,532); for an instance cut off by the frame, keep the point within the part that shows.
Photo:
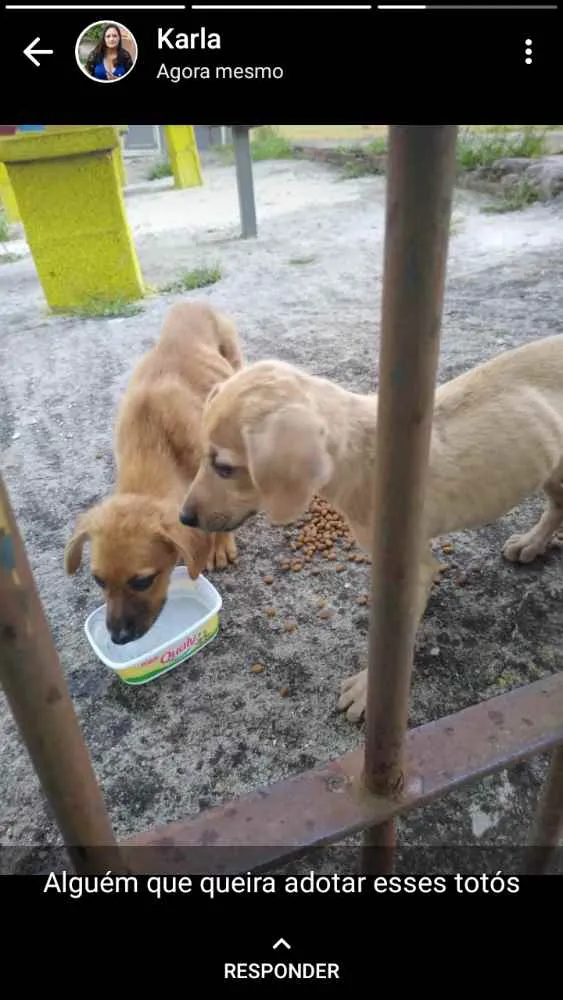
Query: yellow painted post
(121,167)
(183,155)
(73,211)
(118,154)
(7,197)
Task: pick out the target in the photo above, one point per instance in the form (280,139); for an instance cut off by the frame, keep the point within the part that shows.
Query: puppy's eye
(101,583)
(225,471)
(142,582)
(221,468)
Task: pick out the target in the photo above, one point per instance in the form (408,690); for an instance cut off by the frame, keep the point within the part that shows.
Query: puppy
(135,535)
(273,436)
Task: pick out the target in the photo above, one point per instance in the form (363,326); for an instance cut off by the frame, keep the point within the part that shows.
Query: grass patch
(266,143)
(105,309)
(377,147)
(5,228)
(456,223)
(359,168)
(8,258)
(159,170)
(360,163)
(480,149)
(477,146)
(299,261)
(198,278)
(512,128)
(515,198)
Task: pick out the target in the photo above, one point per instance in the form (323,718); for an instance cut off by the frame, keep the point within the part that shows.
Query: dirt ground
(307,290)
(344,133)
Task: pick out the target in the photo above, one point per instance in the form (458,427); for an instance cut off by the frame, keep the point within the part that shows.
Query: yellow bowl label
(171,657)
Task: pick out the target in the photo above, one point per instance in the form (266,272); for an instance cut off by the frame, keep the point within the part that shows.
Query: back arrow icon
(31,51)
(281,941)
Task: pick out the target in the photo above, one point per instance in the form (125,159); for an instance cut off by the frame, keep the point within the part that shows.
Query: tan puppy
(135,535)
(273,436)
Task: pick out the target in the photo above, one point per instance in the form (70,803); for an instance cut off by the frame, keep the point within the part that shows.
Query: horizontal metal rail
(324,805)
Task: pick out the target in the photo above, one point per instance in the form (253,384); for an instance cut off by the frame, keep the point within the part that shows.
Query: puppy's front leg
(224,551)
(353,690)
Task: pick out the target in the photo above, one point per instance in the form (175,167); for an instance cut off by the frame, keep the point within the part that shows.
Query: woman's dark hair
(122,56)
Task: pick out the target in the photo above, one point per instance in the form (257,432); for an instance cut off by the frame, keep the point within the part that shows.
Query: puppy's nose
(122,635)
(188,516)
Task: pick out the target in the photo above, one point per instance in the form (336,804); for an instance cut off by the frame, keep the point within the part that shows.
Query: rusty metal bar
(378,848)
(420,185)
(36,690)
(326,804)
(547,831)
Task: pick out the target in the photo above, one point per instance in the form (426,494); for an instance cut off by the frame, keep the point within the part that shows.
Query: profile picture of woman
(106,51)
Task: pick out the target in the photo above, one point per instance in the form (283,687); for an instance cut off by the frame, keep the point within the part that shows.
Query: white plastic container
(188,621)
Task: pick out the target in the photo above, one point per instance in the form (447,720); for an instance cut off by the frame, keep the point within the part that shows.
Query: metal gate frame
(397,769)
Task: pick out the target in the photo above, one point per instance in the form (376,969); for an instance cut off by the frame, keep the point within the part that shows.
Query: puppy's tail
(228,341)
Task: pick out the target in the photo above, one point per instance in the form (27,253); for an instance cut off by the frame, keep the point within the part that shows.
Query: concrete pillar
(7,197)
(120,159)
(70,199)
(183,155)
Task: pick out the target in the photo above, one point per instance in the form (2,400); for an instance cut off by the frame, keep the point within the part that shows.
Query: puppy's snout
(122,635)
(123,631)
(188,516)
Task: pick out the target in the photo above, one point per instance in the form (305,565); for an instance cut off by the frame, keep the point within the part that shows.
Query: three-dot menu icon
(528,51)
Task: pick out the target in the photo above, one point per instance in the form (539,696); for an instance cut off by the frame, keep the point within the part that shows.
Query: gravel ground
(308,291)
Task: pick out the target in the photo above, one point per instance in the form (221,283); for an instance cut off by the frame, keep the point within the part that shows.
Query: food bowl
(188,621)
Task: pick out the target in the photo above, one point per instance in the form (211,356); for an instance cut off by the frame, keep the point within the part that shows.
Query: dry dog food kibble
(256,668)
(320,530)
(321,533)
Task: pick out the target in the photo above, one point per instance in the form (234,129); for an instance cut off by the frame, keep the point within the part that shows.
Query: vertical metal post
(245,183)
(378,849)
(548,826)
(37,694)
(420,185)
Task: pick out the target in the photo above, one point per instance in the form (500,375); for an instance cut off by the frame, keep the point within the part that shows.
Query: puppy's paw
(353,692)
(224,552)
(524,548)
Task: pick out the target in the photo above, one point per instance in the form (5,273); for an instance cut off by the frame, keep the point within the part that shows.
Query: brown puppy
(135,535)
(273,436)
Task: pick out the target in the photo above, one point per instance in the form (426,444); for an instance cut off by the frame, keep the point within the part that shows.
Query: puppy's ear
(75,544)
(288,461)
(194,547)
